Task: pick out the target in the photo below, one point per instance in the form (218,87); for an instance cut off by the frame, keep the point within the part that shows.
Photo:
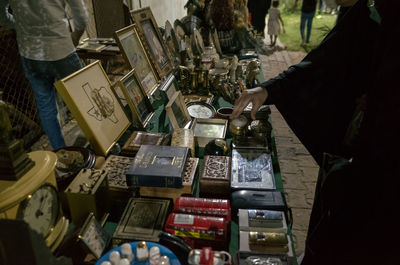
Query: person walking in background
(321,6)
(307,15)
(47,48)
(344,6)
(274,21)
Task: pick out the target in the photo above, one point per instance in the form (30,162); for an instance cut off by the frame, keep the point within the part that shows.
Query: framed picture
(138,102)
(136,57)
(177,111)
(149,32)
(169,87)
(93,103)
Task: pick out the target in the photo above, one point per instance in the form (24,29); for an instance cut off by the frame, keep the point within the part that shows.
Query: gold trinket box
(139,138)
(185,138)
(238,126)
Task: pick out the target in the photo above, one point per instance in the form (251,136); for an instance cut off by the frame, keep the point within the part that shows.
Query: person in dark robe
(258,9)
(343,102)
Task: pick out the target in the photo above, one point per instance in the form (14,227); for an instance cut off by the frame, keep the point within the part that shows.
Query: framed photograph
(138,102)
(169,87)
(206,130)
(92,101)
(177,111)
(136,57)
(149,32)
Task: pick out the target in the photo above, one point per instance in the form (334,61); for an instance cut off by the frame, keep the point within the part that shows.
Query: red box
(199,231)
(203,206)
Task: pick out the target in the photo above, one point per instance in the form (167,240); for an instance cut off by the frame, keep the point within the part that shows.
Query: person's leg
(37,72)
(66,66)
(310,17)
(302,27)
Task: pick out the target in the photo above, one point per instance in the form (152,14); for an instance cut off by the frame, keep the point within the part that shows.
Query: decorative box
(185,138)
(88,192)
(116,166)
(142,219)
(252,169)
(158,166)
(248,258)
(139,138)
(265,243)
(189,180)
(216,177)
(262,220)
(203,206)
(199,231)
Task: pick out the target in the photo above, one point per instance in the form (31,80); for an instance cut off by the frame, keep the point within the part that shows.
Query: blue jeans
(42,75)
(306,18)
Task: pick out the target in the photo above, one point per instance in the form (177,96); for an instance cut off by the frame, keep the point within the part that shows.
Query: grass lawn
(322,24)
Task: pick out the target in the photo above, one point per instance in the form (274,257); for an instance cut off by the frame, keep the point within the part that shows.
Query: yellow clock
(34,199)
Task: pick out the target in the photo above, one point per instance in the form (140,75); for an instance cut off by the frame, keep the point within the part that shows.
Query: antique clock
(34,199)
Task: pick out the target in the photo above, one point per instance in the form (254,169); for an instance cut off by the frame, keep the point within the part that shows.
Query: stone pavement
(298,169)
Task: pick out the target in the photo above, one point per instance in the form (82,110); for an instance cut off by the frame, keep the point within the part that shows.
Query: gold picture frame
(151,36)
(206,130)
(89,96)
(136,57)
(177,112)
(138,102)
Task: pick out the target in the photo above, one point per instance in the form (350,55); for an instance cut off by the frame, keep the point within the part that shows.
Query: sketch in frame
(138,102)
(170,86)
(177,111)
(92,101)
(136,57)
(148,29)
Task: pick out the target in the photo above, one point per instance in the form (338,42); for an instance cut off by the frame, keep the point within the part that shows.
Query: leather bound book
(215,178)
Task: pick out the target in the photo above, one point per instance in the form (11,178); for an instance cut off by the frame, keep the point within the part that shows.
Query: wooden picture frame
(136,57)
(155,45)
(177,112)
(89,96)
(138,102)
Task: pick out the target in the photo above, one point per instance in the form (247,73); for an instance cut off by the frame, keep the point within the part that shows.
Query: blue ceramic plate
(164,252)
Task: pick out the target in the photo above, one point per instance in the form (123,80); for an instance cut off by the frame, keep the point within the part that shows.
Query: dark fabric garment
(258,10)
(309,6)
(342,10)
(353,220)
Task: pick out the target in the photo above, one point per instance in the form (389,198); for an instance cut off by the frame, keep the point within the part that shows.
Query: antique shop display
(185,138)
(116,167)
(206,130)
(201,110)
(203,206)
(208,256)
(22,199)
(177,112)
(14,161)
(265,242)
(252,169)
(262,220)
(158,166)
(189,180)
(215,180)
(169,87)
(171,40)
(91,100)
(142,219)
(151,36)
(139,138)
(199,230)
(194,98)
(136,57)
(92,237)
(244,258)
(138,102)
(88,192)
(250,142)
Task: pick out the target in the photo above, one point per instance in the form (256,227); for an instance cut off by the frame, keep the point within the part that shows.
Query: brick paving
(298,169)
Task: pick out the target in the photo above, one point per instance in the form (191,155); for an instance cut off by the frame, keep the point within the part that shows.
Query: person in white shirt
(47,48)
